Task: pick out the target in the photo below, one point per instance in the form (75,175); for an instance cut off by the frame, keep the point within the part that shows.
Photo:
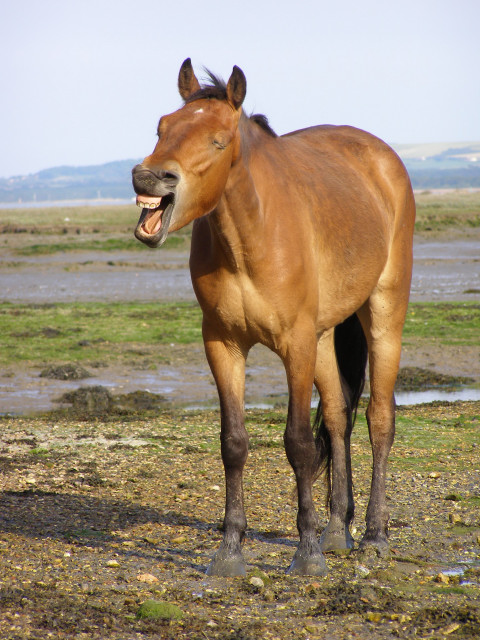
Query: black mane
(217,90)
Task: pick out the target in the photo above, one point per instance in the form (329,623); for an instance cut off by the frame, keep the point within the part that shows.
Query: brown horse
(303,243)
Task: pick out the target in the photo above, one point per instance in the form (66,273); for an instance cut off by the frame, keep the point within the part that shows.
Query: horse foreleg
(301,453)
(338,422)
(227,363)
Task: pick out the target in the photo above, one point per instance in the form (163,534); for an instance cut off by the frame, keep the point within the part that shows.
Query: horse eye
(219,144)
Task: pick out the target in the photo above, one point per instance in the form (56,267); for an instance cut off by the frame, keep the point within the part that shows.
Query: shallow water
(442,271)
(191,387)
(431,395)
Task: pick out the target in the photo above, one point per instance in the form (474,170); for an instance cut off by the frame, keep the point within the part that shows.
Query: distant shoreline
(95,202)
(101,202)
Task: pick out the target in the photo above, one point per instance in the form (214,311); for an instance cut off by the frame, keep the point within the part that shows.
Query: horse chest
(240,308)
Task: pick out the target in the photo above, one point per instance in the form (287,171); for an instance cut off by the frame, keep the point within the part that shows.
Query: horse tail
(351,352)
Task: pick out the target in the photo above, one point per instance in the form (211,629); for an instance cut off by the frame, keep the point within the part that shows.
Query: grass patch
(449,323)
(88,331)
(121,243)
(39,451)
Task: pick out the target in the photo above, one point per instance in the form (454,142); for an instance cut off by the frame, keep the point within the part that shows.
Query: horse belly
(347,279)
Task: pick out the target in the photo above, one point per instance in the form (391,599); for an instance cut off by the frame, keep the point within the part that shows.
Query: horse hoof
(336,540)
(227,566)
(373,548)
(313,565)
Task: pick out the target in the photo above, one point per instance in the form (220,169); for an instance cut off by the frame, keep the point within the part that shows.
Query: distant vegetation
(431,166)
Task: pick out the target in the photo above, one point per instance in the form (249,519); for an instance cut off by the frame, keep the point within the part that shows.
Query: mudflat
(111,509)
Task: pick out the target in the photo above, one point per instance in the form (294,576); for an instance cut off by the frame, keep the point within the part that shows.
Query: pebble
(374,616)
(147,577)
(450,629)
(312,629)
(269,596)
(361,571)
(454,518)
(179,540)
(256,582)
(113,564)
(442,578)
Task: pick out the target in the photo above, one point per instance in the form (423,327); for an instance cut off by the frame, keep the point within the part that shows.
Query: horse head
(186,174)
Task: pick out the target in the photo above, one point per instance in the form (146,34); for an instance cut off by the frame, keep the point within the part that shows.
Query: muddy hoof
(373,548)
(336,540)
(227,565)
(308,565)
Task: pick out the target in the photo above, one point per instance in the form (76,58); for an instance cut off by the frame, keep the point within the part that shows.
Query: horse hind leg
(382,318)
(339,378)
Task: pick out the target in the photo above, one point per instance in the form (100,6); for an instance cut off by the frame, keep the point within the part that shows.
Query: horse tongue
(149,202)
(153,222)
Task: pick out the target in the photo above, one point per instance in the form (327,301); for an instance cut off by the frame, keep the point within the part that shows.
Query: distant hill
(431,166)
(442,165)
(106,181)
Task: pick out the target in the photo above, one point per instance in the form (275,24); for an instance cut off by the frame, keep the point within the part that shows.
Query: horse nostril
(169,176)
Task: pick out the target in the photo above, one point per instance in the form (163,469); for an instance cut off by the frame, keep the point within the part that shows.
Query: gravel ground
(98,517)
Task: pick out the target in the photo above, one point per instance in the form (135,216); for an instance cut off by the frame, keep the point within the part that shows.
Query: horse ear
(237,87)
(187,80)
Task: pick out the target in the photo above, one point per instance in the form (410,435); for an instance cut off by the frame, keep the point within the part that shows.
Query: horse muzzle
(156,197)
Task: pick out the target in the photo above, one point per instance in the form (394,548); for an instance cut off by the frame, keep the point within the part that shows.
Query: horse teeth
(147,205)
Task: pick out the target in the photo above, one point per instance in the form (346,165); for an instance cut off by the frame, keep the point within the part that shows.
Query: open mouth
(152,227)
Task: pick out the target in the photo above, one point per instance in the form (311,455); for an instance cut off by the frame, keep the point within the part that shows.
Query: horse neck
(237,221)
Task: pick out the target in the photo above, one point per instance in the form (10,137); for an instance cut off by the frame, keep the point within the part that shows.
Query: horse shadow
(89,521)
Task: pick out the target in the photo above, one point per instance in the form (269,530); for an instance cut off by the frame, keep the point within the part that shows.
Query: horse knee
(234,449)
(300,449)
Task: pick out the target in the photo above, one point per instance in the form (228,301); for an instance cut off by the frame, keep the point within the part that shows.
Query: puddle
(467,572)
(431,395)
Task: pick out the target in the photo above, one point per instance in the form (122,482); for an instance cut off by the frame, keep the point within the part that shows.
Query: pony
(303,243)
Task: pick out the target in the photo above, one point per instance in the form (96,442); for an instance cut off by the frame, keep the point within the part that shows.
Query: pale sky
(85,81)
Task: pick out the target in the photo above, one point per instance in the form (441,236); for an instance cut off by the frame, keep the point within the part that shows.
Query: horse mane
(217,90)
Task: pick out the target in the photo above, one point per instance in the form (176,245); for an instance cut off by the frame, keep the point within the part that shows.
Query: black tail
(351,351)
